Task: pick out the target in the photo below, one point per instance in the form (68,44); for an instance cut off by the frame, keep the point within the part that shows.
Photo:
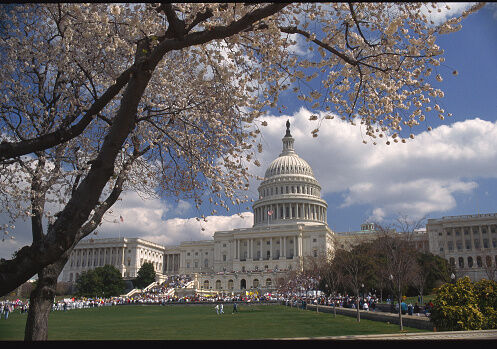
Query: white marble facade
(289,224)
(126,254)
(468,242)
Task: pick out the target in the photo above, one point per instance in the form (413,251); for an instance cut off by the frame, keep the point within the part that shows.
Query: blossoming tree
(165,98)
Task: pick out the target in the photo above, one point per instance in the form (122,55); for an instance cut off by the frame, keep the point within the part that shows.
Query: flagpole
(269,214)
(122,220)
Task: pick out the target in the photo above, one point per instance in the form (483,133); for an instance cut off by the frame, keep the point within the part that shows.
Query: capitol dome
(289,192)
(289,163)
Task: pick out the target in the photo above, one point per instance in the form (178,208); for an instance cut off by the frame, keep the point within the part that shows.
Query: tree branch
(10,150)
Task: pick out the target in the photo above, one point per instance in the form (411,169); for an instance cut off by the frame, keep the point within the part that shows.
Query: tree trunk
(41,301)
(400,310)
(357,306)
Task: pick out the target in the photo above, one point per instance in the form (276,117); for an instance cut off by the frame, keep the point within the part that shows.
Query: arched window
(479,262)
(206,284)
(230,284)
(243,284)
(461,262)
(256,283)
(470,262)
(268,282)
(488,260)
(218,285)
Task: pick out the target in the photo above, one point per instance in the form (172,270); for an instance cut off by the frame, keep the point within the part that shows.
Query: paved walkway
(414,321)
(421,321)
(487,335)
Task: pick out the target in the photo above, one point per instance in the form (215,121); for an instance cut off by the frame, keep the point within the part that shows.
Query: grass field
(194,322)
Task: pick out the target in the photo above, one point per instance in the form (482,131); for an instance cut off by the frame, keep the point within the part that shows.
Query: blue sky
(451,170)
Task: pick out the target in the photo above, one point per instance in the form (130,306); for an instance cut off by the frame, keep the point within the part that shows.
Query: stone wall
(420,322)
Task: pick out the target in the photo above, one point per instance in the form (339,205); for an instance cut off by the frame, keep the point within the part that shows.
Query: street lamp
(391,279)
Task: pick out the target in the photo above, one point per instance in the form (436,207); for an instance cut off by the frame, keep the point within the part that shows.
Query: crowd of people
(162,295)
(172,282)
(367,303)
(8,307)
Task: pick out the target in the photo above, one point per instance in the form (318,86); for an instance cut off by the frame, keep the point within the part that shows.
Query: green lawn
(194,322)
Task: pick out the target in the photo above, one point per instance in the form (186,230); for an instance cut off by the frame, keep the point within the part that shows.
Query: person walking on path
(7,309)
(217,309)
(416,309)
(235,308)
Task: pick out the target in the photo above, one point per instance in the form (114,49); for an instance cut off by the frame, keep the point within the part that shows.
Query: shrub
(103,281)
(465,305)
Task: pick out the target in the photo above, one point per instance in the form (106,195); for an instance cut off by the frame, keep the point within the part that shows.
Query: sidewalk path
(490,335)
(421,322)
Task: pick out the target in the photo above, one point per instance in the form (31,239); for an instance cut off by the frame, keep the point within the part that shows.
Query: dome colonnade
(289,193)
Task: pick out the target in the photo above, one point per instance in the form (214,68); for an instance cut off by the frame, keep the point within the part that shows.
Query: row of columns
(290,189)
(289,211)
(100,256)
(251,252)
(171,262)
(473,231)
(97,257)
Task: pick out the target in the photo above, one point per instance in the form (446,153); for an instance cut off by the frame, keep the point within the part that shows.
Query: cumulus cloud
(445,10)
(176,230)
(416,178)
(161,222)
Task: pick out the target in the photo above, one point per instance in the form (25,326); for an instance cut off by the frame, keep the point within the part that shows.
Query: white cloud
(416,178)
(157,221)
(455,10)
(175,230)
(377,216)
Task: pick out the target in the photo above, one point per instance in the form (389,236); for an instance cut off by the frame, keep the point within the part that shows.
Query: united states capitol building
(290,226)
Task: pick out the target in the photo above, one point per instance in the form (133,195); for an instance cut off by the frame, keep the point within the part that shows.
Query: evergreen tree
(104,281)
(146,275)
